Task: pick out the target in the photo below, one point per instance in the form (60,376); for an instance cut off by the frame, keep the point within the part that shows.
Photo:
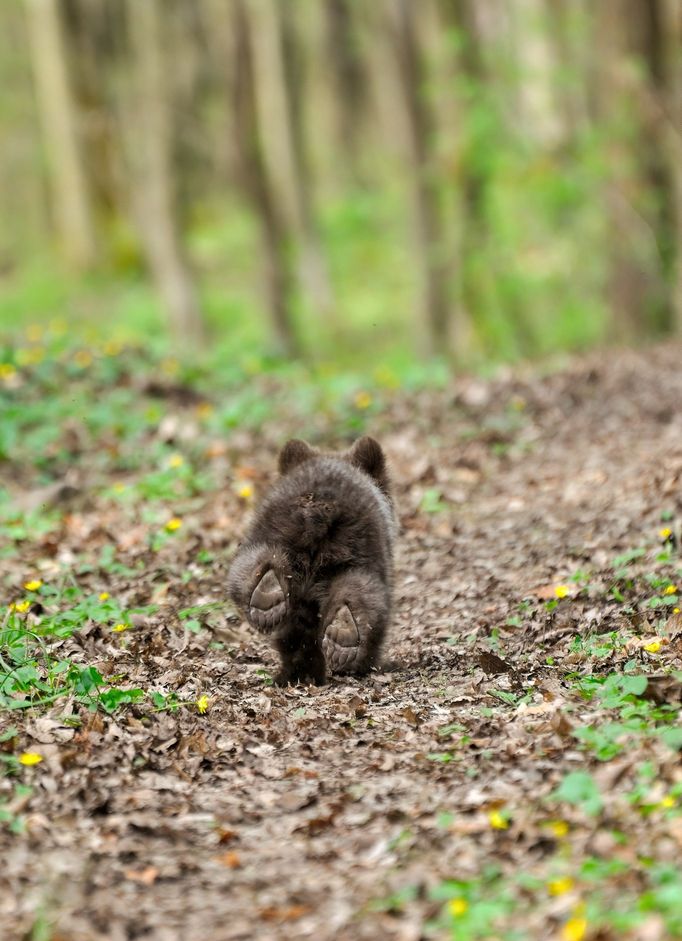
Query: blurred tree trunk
(636,192)
(567,23)
(541,116)
(429,236)
(483,39)
(149,145)
(229,30)
(672,19)
(278,108)
(653,97)
(70,195)
(348,79)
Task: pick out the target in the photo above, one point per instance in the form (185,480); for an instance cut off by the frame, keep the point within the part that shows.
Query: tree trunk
(253,172)
(541,115)
(279,116)
(637,231)
(70,195)
(149,145)
(671,22)
(567,22)
(348,79)
(429,236)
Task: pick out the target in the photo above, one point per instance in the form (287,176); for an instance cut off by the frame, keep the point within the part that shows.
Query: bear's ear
(293,453)
(367,454)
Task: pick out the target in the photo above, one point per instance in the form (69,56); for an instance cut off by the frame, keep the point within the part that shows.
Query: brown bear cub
(315,570)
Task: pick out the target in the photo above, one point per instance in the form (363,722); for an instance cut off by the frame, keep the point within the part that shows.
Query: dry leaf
(231,859)
(147,876)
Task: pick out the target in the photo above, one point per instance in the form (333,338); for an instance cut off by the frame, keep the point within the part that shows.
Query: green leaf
(672,737)
(580,789)
(633,685)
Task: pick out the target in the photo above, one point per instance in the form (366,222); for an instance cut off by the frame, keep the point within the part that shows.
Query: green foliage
(496,904)
(580,789)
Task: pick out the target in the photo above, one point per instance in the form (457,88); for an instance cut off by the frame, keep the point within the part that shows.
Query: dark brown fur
(315,569)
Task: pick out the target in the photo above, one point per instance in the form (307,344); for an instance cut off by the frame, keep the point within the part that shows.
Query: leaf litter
(525,737)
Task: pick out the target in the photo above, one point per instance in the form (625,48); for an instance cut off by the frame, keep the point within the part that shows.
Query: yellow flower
(665,533)
(458,907)
(653,647)
(119,488)
(668,802)
(362,400)
(676,610)
(561,591)
(33,585)
(83,358)
(560,886)
(574,929)
(671,590)
(104,596)
(497,820)
(112,348)
(21,607)
(558,827)
(7,371)
(29,758)
(119,628)
(204,409)
(173,524)
(245,492)
(203,703)
(176,461)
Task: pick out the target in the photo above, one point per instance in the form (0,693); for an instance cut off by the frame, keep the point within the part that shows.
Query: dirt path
(336,813)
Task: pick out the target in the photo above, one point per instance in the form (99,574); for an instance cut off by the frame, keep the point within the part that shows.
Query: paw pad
(341,642)
(268,604)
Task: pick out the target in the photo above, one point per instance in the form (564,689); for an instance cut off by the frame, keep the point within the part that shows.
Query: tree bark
(69,187)
(671,20)
(232,48)
(279,116)
(149,145)
(541,114)
(638,233)
(429,235)
(348,79)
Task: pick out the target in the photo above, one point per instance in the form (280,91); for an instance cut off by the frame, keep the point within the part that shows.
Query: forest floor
(517,775)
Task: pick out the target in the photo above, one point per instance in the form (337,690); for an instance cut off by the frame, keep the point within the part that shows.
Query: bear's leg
(354,621)
(259,585)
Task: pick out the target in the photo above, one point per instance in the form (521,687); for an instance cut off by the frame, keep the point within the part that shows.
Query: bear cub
(314,572)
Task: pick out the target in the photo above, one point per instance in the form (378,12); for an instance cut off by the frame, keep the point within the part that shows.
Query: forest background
(355,184)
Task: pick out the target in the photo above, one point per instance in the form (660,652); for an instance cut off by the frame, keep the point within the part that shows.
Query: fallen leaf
(410,716)
(290,913)
(146,876)
(493,665)
(231,859)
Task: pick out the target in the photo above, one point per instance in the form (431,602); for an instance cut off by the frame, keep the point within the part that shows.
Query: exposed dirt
(285,813)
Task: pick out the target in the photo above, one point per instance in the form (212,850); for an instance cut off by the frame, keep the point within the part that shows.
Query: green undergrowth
(35,672)
(497,906)
(582,894)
